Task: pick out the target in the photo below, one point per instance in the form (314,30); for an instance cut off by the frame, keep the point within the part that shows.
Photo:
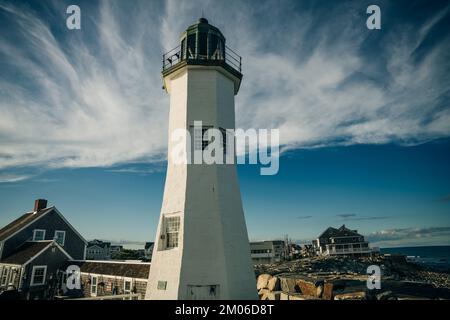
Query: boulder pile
(345,278)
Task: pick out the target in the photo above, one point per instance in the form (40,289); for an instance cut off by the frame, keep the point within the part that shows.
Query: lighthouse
(201,249)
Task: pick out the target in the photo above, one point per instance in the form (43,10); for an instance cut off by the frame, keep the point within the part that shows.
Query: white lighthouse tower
(201,248)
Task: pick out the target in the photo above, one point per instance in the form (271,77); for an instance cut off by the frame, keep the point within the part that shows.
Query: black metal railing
(171,57)
(175,56)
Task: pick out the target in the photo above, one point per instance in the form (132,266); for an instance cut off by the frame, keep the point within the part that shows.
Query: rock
(272,295)
(263,279)
(361,295)
(319,291)
(386,295)
(411,288)
(443,293)
(402,278)
(327,291)
(284,296)
(289,284)
(408,297)
(307,287)
(262,293)
(274,284)
(310,287)
(298,296)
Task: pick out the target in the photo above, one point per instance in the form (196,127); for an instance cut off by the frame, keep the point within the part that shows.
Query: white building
(98,250)
(267,251)
(201,248)
(342,241)
(114,250)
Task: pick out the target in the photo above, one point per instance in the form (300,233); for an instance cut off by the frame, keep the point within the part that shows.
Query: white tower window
(202,138)
(170,236)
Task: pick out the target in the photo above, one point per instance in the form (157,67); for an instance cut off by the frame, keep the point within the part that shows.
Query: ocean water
(436,256)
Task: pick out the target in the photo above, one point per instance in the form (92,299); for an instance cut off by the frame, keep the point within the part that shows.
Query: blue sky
(364,115)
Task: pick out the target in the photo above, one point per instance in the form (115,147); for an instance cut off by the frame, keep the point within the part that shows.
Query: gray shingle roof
(119,269)
(341,232)
(21,222)
(25,252)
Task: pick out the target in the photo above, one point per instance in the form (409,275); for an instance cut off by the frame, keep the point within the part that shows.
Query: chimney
(40,204)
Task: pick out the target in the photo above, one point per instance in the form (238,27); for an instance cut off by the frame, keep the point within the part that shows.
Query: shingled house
(36,250)
(98,250)
(108,278)
(33,248)
(342,241)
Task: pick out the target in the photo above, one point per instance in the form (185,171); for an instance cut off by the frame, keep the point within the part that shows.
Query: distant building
(33,249)
(115,250)
(263,252)
(149,250)
(297,251)
(342,241)
(98,250)
(108,278)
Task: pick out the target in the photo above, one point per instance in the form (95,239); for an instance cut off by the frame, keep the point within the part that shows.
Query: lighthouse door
(210,292)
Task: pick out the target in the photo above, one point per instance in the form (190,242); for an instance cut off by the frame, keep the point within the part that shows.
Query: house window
(60,237)
(12,276)
(4,279)
(172,226)
(127,285)
(38,275)
(94,282)
(64,279)
(38,235)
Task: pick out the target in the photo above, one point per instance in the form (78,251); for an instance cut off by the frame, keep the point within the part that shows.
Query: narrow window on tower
(224,140)
(214,52)
(201,137)
(191,49)
(205,139)
(202,44)
(221,50)
(172,227)
(183,51)
(198,138)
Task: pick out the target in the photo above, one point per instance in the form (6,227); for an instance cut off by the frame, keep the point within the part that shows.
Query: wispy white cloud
(93,97)
(304,217)
(410,236)
(85,106)
(355,217)
(138,170)
(8,178)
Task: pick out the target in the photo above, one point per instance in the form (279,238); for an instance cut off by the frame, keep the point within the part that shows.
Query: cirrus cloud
(93,97)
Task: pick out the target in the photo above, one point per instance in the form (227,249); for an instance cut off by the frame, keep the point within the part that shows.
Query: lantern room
(202,44)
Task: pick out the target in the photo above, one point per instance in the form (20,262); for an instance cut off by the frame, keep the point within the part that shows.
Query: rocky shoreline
(345,278)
